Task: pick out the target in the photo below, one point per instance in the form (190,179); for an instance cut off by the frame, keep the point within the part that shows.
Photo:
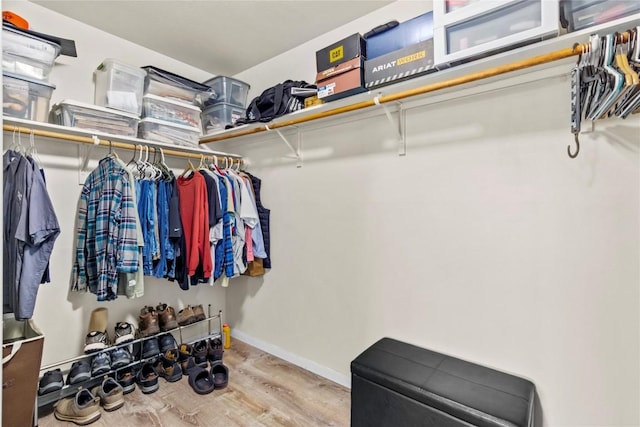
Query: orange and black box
(351,47)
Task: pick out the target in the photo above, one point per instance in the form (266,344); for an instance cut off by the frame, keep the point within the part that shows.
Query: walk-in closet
(452,243)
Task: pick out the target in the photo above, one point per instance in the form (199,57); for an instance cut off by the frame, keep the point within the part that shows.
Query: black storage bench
(395,384)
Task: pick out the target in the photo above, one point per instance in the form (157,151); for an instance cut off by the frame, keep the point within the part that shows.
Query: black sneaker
(120,357)
(96,341)
(150,348)
(127,380)
(101,364)
(147,379)
(50,381)
(200,353)
(124,332)
(80,371)
(167,342)
(215,350)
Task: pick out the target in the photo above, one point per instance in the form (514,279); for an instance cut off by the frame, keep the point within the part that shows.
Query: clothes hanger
(161,164)
(32,150)
(616,82)
(189,170)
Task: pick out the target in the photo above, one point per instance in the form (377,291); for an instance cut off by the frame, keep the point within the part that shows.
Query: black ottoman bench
(395,384)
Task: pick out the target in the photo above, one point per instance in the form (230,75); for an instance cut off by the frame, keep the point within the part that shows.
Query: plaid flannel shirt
(107,242)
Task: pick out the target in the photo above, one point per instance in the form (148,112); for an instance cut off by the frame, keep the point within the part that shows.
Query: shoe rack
(137,344)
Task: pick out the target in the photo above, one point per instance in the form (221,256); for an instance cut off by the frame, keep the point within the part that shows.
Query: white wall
(63,316)
(485,242)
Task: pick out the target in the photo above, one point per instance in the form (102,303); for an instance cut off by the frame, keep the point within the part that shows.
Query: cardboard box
(400,65)
(22,344)
(406,34)
(342,51)
(341,81)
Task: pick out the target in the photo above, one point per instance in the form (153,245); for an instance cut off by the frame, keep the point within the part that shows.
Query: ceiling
(221,37)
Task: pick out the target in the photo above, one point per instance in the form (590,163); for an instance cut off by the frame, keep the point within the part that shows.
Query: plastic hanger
(615,82)
(32,150)
(189,170)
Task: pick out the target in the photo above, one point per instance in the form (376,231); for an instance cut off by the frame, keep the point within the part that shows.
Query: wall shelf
(552,56)
(84,136)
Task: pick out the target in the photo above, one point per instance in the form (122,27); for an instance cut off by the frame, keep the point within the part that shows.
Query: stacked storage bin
(117,99)
(26,63)
(227,106)
(170,108)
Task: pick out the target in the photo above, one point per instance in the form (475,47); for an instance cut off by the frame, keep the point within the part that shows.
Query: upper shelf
(49,130)
(548,53)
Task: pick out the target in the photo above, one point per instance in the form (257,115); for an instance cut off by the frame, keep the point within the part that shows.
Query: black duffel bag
(276,101)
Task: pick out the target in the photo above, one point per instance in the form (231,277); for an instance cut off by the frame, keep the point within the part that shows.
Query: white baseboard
(309,365)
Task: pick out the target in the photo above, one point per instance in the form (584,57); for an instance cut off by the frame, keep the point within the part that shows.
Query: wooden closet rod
(491,72)
(115,144)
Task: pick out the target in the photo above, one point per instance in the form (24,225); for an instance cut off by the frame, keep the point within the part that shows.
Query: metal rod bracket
(296,152)
(398,126)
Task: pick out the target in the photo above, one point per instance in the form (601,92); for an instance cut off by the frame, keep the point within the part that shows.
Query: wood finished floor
(263,390)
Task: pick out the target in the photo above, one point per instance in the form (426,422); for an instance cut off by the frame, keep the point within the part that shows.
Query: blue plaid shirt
(107,242)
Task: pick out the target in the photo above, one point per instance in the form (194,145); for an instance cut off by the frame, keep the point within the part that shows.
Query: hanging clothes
(131,285)
(107,242)
(264,234)
(30,231)
(194,214)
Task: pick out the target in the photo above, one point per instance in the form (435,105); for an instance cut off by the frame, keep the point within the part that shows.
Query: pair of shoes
(120,357)
(148,324)
(186,359)
(167,342)
(127,380)
(97,338)
(168,367)
(215,350)
(124,332)
(110,394)
(167,317)
(199,351)
(81,409)
(50,381)
(204,381)
(96,341)
(100,364)
(80,371)
(147,379)
(150,348)
(189,315)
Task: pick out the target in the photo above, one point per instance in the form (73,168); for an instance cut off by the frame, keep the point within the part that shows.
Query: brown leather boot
(148,324)
(167,316)
(198,312)
(186,316)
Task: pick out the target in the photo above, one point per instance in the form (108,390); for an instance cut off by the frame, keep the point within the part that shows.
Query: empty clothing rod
(113,144)
(394,97)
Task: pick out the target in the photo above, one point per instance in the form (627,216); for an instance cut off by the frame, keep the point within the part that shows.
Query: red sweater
(194,212)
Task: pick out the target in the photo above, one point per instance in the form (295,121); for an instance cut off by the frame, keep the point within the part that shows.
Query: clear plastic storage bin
(228,90)
(168,110)
(217,116)
(170,133)
(25,98)
(579,14)
(480,28)
(27,55)
(93,117)
(119,86)
(166,84)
